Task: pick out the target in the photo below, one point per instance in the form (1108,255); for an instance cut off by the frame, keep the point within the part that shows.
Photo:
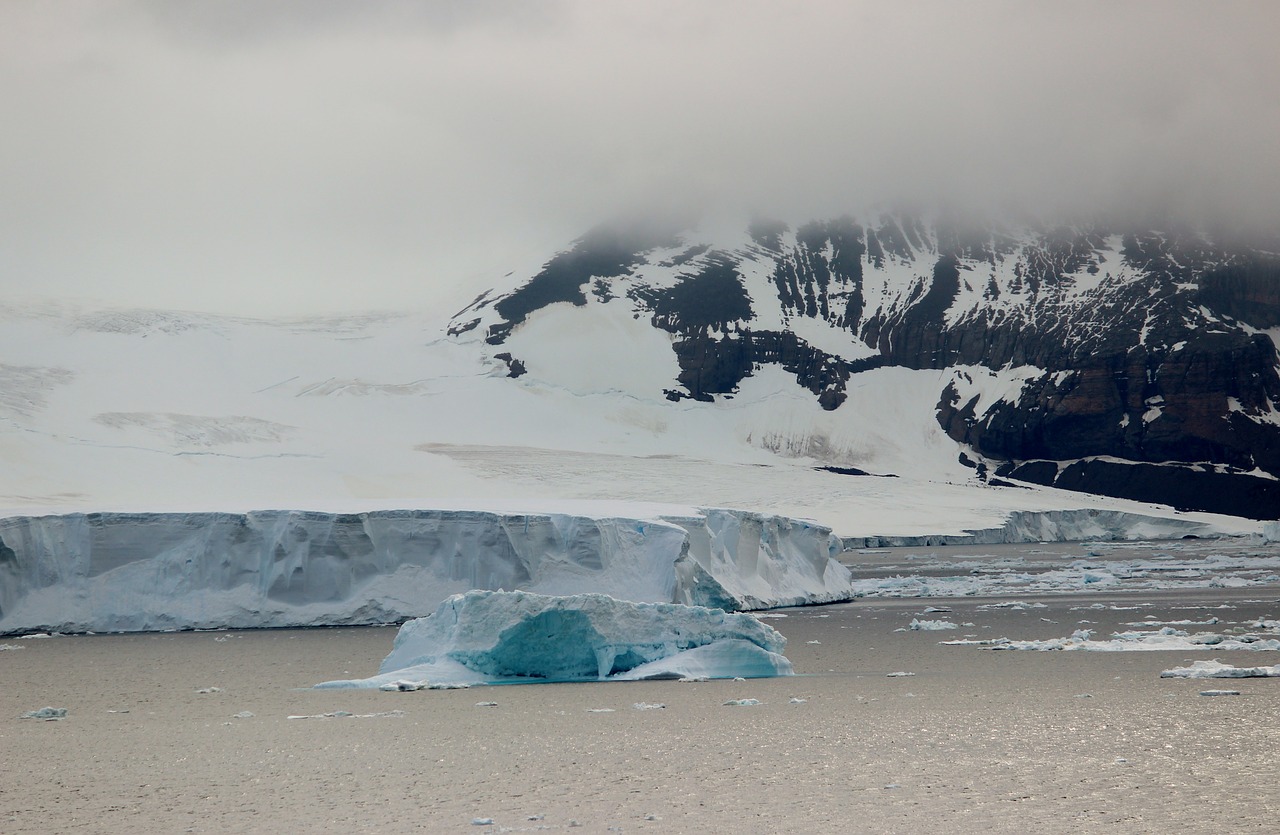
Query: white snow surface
(147,572)
(162,411)
(484,637)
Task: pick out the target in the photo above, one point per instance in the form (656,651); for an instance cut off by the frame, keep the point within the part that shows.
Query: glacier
(123,572)
(486,637)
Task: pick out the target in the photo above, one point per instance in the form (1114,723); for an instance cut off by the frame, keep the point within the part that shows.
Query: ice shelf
(120,572)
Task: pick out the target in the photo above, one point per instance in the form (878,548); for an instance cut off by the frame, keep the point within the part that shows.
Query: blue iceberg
(486,637)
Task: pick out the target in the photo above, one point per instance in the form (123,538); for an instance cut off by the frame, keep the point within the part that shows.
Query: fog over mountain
(295,157)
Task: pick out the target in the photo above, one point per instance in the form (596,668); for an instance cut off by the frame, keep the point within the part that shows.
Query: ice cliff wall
(113,572)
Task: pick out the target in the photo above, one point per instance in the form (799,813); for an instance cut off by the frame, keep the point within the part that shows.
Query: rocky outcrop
(1139,347)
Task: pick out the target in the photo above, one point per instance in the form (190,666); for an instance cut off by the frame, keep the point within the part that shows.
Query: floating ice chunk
(244,714)
(930,625)
(486,704)
(1219,692)
(404,686)
(899,674)
(484,637)
(600,710)
(48,714)
(743,702)
(204,691)
(796,700)
(4,647)
(482,821)
(1216,669)
(649,706)
(346,714)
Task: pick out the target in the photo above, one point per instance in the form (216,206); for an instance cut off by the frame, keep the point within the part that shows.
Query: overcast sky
(311,155)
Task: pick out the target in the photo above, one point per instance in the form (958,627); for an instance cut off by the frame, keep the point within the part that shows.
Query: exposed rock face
(1145,352)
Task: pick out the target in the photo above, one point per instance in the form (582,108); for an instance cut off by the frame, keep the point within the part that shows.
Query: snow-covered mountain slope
(162,411)
(1140,364)
(611,380)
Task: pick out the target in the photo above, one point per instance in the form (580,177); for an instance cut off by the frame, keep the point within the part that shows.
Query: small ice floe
(600,710)
(535,817)
(404,686)
(929,610)
(4,647)
(692,679)
(652,818)
(48,714)
(482,821)
(346,714)
(899,674)
(118,711)
(35,635)
(743,702)
(918,625)
(244,714)
(486,704)
(204,691)
(739,678)
(813,642)
(796,700)
(1156,622)
(1216,669)
(1084,695)
(1219,692)
(1014,605)
(768,614)
(649,706)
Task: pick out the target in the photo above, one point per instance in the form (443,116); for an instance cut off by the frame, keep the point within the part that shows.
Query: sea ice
(484,637)
(48,714)
(1164,639)
(930,625)
(1216,669)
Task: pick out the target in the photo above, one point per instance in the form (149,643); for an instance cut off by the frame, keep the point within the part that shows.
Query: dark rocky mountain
(1133,363)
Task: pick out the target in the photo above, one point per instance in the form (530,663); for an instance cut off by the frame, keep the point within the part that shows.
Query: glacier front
(485,637)
(121,572)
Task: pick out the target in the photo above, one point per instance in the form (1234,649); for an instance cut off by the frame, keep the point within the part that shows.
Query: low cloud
(289,156)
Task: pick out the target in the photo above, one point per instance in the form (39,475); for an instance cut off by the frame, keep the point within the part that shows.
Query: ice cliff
(113,572)
(484,637)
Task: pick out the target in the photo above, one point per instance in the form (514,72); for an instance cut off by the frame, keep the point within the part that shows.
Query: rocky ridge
(1135,363)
